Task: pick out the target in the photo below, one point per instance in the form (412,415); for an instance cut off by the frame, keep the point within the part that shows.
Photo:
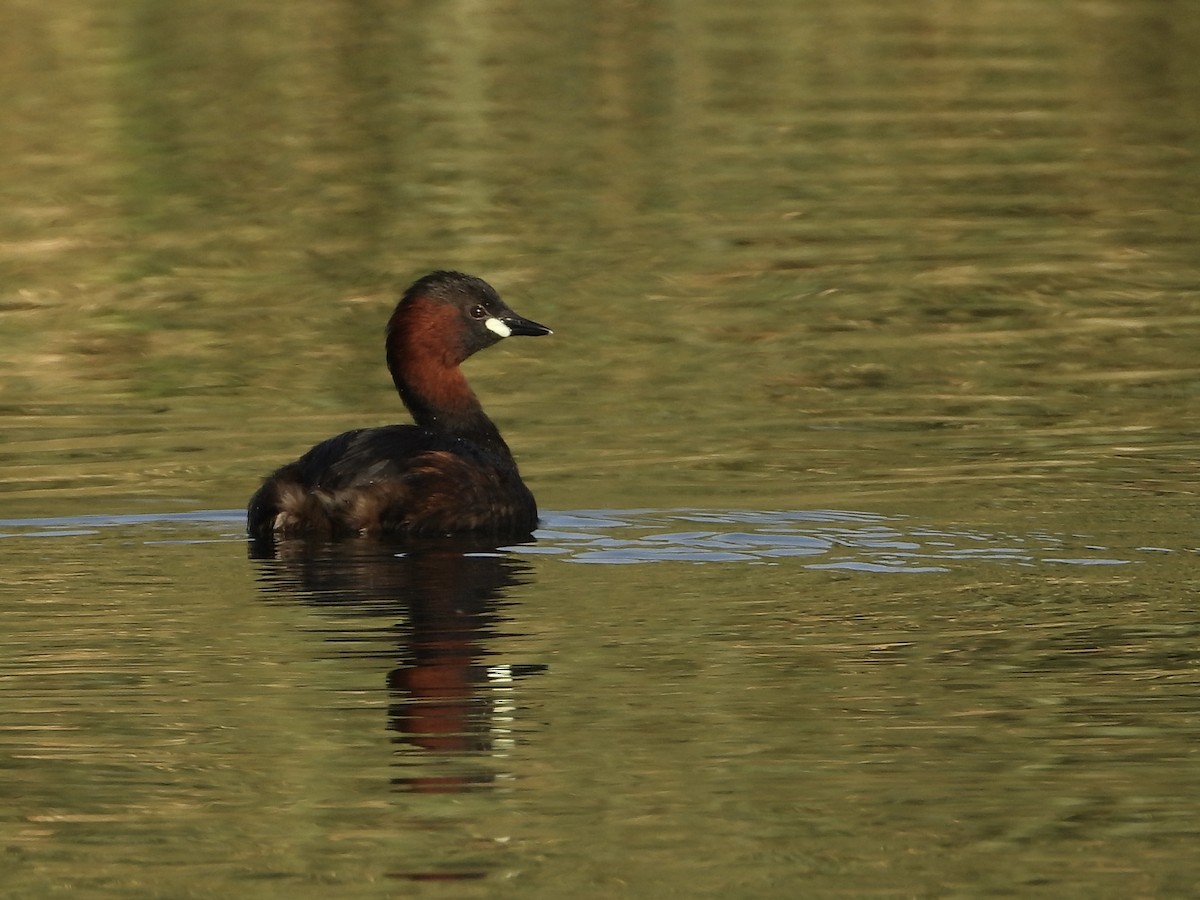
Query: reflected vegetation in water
(825,250)
(867,433)
(813,685)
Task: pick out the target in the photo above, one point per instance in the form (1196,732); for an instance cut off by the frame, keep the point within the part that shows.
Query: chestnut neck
(425,370)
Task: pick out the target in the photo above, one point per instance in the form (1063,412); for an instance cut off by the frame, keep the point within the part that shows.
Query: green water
(874,373)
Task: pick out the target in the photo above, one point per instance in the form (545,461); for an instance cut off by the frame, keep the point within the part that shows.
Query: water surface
(866,445)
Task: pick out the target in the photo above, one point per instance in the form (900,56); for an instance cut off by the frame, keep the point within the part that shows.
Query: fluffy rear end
(285,505)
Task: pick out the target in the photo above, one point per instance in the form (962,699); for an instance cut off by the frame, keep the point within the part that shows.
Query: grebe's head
(454,315)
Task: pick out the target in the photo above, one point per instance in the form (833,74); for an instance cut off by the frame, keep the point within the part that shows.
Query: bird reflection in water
(450,704)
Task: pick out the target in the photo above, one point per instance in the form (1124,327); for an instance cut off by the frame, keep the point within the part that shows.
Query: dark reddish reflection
(443,601)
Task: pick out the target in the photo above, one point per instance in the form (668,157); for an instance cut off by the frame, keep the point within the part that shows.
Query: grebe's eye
(478,312)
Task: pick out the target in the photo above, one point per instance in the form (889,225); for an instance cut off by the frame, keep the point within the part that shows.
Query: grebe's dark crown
(452,287)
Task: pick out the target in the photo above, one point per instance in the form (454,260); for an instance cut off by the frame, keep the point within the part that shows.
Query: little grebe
(449,473)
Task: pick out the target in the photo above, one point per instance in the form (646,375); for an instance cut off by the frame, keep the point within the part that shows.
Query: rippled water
(740,701)
(842,540)
(855,541)
(866,445)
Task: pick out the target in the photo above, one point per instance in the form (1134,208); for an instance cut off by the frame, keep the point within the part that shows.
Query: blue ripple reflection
(824,539)
(815,539)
